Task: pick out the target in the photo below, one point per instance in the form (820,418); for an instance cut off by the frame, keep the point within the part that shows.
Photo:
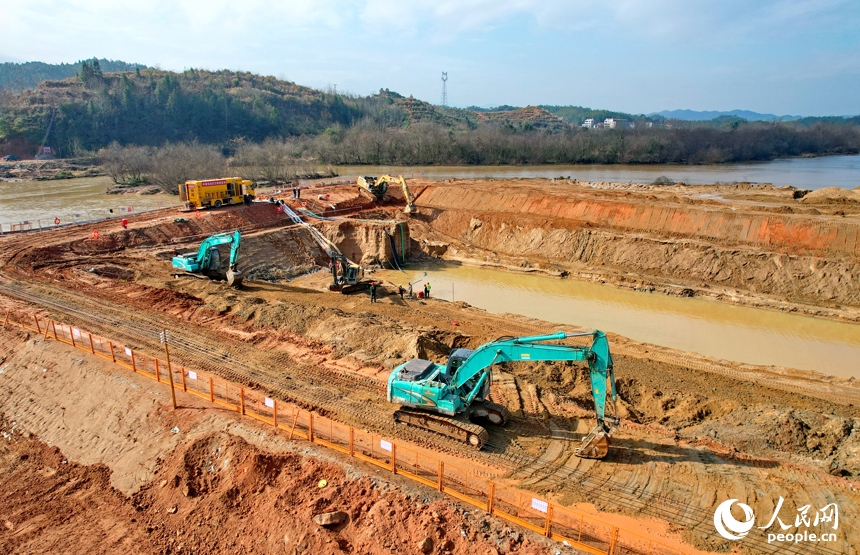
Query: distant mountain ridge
(693,115)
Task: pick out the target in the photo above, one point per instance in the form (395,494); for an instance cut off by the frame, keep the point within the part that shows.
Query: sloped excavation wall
(798,258)
(780,233)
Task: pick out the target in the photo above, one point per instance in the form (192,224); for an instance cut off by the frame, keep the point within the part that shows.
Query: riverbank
(48,170)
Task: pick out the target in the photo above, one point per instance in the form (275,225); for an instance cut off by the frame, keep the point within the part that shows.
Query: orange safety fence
(520,507)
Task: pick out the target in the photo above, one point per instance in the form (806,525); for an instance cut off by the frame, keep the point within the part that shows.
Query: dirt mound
(50,504)
(221,494)
(832,195)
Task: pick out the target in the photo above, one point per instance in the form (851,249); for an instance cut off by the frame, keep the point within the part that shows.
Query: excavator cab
(455,360)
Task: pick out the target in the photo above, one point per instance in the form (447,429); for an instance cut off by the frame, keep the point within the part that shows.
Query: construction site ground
(694,431)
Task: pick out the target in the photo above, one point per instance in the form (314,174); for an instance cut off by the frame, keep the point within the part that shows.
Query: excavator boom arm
(215,240)
(532,349)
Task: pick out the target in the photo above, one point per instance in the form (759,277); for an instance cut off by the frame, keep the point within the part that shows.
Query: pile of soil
(832,195)
(219,494)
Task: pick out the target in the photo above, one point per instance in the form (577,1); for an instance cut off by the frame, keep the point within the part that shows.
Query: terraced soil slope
(752,244)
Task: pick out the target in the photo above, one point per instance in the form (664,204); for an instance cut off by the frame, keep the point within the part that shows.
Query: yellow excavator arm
(410,201)
(378,186)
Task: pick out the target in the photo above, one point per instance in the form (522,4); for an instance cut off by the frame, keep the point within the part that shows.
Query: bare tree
(272,160)
(126,164)
(176,163)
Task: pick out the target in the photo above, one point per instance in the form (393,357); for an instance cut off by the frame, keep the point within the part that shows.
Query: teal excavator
(207,261)
(447,399)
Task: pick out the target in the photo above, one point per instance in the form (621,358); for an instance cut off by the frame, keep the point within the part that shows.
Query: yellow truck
(215,192)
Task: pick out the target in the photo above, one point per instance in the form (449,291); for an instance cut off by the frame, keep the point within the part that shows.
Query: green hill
(149,107)
(28,75)
(228,108)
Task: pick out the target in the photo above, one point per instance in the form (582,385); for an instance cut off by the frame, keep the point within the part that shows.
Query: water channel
(724,331)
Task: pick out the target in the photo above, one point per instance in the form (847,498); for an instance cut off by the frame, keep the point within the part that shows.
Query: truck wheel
(217,204)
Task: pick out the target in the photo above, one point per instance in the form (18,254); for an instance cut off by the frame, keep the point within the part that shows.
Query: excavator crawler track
(491,412)
(453,428)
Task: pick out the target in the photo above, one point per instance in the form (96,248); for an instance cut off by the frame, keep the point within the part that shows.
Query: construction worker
(427,290)
(124,223)
(410,289)
(373,291)
(401,290)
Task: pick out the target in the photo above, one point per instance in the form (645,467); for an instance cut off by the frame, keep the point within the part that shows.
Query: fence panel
(566,524)
(341,435)
(506,500)
(533,510)
(123,355)
(596,534)
(362,443)
(196,383)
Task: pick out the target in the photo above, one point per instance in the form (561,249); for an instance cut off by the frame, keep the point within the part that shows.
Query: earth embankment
(764,248)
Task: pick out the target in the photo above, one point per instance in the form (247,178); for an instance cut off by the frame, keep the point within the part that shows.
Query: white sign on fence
(127,352)
(77,332)
(385,444)
(539,505)
(270,403)
(192,375)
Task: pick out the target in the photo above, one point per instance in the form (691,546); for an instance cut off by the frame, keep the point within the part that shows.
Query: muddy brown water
(710,328)
(803,173)
(70,200)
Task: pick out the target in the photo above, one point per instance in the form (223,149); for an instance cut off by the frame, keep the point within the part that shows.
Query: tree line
(427,144)
(27,75)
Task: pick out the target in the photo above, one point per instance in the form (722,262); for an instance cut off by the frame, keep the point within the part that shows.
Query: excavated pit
(688,437)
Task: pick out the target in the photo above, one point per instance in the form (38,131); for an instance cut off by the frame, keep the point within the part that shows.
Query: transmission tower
(444,88)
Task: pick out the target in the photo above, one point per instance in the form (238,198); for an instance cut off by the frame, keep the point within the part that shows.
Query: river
(710,328)
(803,173)
(70,200)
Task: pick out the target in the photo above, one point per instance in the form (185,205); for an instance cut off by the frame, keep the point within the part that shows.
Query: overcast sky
(799,57)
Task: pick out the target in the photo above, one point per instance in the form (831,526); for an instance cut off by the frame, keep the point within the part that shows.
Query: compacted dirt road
(695,431)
